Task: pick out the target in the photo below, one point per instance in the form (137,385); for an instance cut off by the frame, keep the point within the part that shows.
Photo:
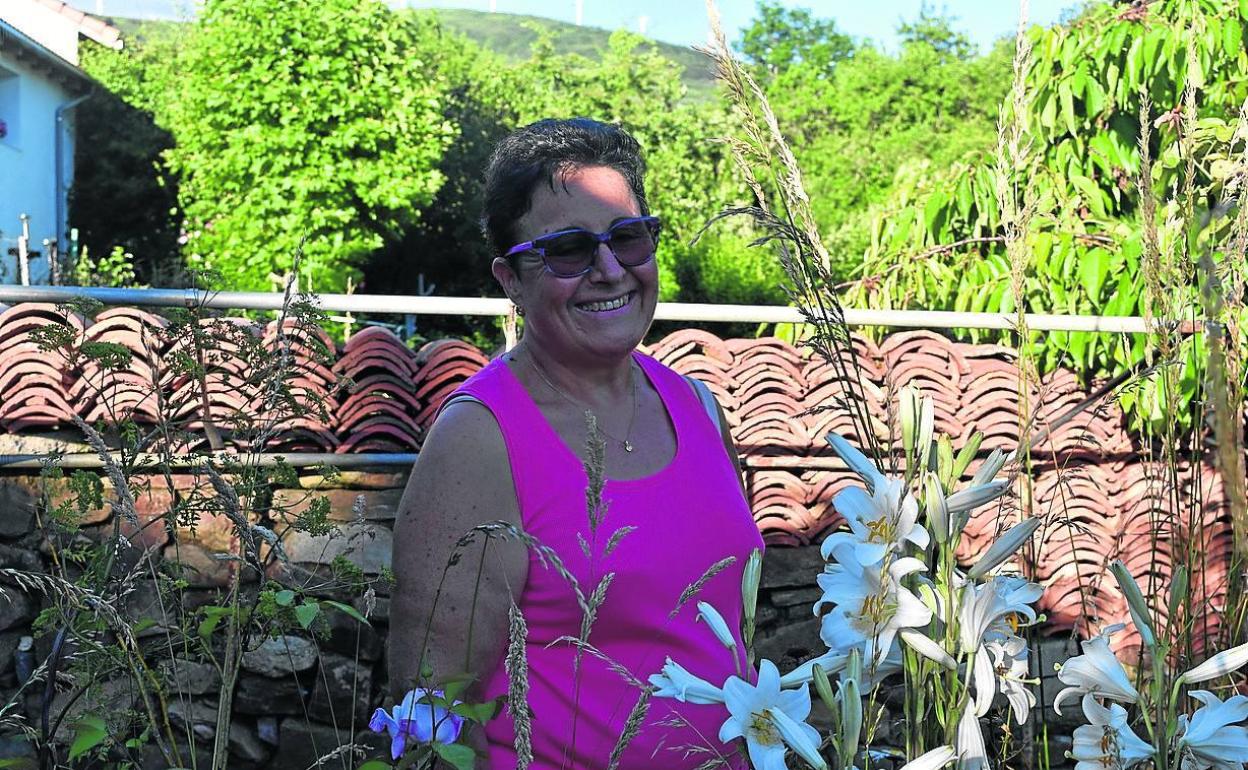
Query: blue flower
(419,719)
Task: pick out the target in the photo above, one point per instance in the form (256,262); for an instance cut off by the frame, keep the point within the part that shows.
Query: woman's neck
(588,383)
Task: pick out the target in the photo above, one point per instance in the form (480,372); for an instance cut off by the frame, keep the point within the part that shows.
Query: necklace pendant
(628,446)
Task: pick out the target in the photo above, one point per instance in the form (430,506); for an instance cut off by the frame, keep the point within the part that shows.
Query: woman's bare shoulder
(463,471)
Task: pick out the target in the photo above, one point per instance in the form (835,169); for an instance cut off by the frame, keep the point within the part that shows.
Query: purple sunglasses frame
(605,237)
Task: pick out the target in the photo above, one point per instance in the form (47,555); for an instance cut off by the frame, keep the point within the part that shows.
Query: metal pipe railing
(666,311)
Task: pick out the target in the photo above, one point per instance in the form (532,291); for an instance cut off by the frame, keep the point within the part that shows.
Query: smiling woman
(566,215)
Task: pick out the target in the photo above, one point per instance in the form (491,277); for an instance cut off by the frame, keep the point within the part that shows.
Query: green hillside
(511,35)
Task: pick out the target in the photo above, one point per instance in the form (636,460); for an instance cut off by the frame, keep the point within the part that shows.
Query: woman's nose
(606,267)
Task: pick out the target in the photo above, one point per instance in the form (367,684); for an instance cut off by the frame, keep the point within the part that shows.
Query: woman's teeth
(598,307)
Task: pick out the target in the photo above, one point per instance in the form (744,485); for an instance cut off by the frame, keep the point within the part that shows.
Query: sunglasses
(571,253)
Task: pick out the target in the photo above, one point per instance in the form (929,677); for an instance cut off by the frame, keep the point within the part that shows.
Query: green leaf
(458,755)
(284,598)
(1068,107)
(477,712)
(1092,195)
(375,764)
(348,609)
(305,613)
(1232,38)
(1243,9)
(90,732)
(932,213)
(1093,270)
(212,618)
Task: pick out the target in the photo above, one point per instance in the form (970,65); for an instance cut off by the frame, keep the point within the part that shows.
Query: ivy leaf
(305,613)
(91,732)
(284,597)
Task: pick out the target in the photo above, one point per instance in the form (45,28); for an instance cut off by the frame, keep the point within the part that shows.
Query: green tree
(301,126)
(123,195)
(1087,248)
(878,113)
(780,38)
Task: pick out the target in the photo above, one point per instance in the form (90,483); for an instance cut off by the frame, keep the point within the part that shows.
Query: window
(9,107)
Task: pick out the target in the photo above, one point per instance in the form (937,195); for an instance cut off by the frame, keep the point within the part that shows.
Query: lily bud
(937,511)
(824,687)
(929,649)
(749,592)
(1136,605)
(927,426)
(1178,592)
(908,416)
(857,461)
(966,455)
(851,721)
(989,470)
(1004,547)
(717,624)
(970,498)
(1225,662)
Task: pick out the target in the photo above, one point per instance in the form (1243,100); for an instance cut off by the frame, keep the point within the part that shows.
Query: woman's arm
(461,479)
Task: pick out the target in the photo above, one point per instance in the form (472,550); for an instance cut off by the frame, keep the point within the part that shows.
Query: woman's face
(557,311)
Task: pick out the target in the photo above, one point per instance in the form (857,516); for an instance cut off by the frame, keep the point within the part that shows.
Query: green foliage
(301,127)
(780,38)
(1087,238)
(878,113)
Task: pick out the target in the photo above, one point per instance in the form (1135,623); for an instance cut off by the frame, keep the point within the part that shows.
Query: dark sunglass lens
(569,253)
(632,243)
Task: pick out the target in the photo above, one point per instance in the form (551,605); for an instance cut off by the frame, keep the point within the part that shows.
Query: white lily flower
(1004,547)
(1000,599)
(1001,665)
(879,522)
(752,716)
(972,753)
(717,624)
(871,605)
(1107,743)
(932,760)
(675,682)
(1210,737)
(1225,662)
(1097,671)
(800,737)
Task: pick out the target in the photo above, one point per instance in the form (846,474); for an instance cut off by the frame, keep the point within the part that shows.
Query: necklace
(626,443)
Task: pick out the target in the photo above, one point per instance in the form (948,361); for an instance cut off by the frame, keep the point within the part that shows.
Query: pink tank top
(689,515)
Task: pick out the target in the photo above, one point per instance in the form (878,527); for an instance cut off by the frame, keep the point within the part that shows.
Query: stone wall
(298,696)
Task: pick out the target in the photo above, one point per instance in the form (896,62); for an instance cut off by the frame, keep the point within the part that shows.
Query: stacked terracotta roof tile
(1097,494)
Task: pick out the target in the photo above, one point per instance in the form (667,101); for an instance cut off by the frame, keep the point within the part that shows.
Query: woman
(565,211)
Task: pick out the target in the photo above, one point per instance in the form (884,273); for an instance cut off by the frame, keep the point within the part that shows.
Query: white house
(40,85)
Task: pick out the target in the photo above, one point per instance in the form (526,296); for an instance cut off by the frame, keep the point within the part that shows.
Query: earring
(519,311)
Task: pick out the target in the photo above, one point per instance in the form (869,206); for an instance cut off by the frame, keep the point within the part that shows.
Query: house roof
(45,35)
(90,27)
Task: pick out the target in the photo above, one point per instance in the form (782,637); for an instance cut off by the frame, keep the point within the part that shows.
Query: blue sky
(684,21)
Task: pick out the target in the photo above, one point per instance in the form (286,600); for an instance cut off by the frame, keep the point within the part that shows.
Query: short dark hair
(539,152)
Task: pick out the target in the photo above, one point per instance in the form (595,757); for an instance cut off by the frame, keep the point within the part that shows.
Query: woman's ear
(507,278)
